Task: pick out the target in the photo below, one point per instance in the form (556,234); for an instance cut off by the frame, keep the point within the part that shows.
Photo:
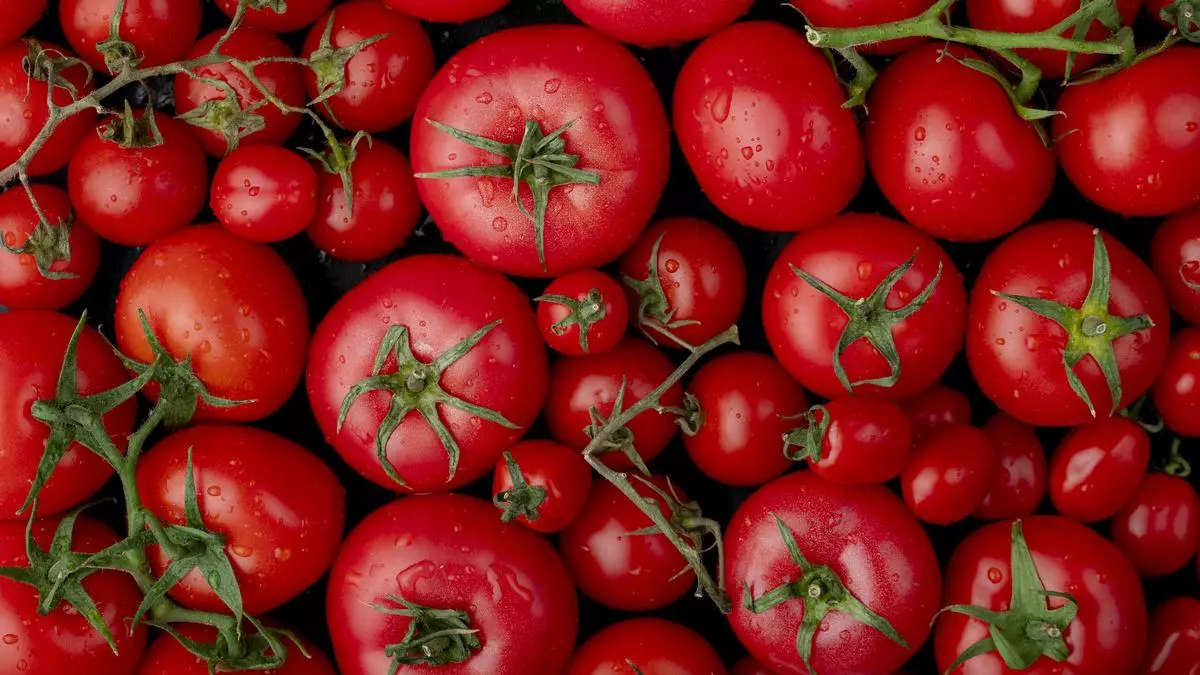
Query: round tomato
(1175,255)
(820,325)
(23,105)
(18,17)
(1174,645)
(47,265)
(759,115)
(230,306)
(503,581)
(858,543)
(462,373)
(1176,393)
(855,439)
(299,14)
(949,474)
(264,193)
(750,666)
(1097,468)
(658,23)
(1019,480)
(842,14)
(647,646)
(166,656)
(583,312)
(1112,308)
(556,482)
(159,32)
(936,407)
(1159,528)
(447,11)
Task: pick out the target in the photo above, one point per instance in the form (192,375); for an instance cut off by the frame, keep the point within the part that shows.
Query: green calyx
(48,244)
(582,313)
(1183,15)
(655,314)
(619,439)
(435,637)
(48,65)
(1090,328)
(339,160)
(522,499)
(687,522)
(328,63)
(226,115)
(415,386)
(822,591)
(1028,630)
(263,649)
(690,417)
(539,161)
(808,438)
(130,132)
(277,6)
(118,54)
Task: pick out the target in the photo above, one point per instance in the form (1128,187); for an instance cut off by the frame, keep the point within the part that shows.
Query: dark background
(324,280)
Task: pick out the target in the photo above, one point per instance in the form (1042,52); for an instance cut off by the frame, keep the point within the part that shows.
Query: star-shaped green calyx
(435,637)
(522,499)
(582,313)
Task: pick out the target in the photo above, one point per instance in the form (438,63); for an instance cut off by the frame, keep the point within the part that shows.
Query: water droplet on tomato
(242,551)
(499,224)
(770,165)
(11,639)
(1191,126)
(1000,341)
(22,665)
(282,554)
(844,635)
(484,98)
(552,85)
(1032,343)
(1190,271)
(995,575)
(747,152)
(672,266)
(255,191)
(864,270)
(205,347)
(112,198)
(213,491)
(721,104)
(1043,292)
(599,108)
(919,134)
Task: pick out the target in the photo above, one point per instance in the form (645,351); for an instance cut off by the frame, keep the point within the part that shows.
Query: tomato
(448,11)
(562,476)
(749,666)
(853,255)
(383,81)
(526,84)
(63,641)
(42,249)
(652,646)
(133,194)
(1097,468)
(230,305)
(1159,528)
(855,439)
(1017,355)
(23,105)
(1174,646)
(386,205)
(465,357)
(949,474)
(842,14)
(745,402)
(759,115)
(218,125)
(299,14)
(936,407)
(658,23)
(1106,635)
(1127,141)
(18,17)
(857,541)
(1176,393)
(580,383)
(32,347)
(1175,256)
(264,193)
(502,580)
(583,312)
(166,656)
(159,32)
(1019,480)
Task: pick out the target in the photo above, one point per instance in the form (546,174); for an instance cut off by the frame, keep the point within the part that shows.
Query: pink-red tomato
(1174,644)
(23,106)
(560,472)
(583,312)
(160,32)
(22,284)
(167,656)
(843,14)
(648,646)
(264,193)
(1175,256)
(1176,392)
(868,441)
(447,11)
(299,14)
(949,474)
(1019,481)
(936,407)
(658,23)
(18,17)
(1159,528)
(1097,468)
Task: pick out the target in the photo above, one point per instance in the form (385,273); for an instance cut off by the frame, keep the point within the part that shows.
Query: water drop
(864,270)
(282,554)
(242,551)
(1000,341)
(484,98)
(672,266)
(919,134)
(11,639)
(213,491)
(995,575)
(721,104)
(747,152)
(255,191)
(552,85)
(499,224)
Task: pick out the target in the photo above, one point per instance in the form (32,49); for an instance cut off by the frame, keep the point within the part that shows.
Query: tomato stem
(582,313)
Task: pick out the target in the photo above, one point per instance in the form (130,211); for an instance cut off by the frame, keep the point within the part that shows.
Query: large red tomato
(46,264)
(23,105)
(646,646)
(159,32)
(1176,393)
(658,23)
(1175,256)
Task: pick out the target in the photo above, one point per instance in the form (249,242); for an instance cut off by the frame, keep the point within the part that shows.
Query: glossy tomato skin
(160,32)
(23,107)
(231,304)
(385,79)
(450,551)
(441,300)
(1133,136)
(759,115)
(867,537)
(133,196)
(264,193)
(658,23)
(1097,468)
(949,474)
(842,14)
(1174,644)
(931,159)
(1106,636)
(32,347)
(936,407)
(1175,256)
(282,527)
(868,441)
(746,400)
(166,656)
(22,286)
(299,14)
(602,335)
(1176,393)
(1159,528)
(448,11)
(651,645)
(557,469)
(1019,481)
(1006,342)
(18,17)
(853,253)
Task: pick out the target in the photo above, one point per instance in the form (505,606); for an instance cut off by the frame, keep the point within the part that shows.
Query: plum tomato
(842,14)
(1019,481)
(1175,256)
(23,103)
(936,407)
(1097,468)
(853,439)
(583,312)
(1174,644)
(159,32)
(542,485)
(45,264)
(949,474)
(647,646)
(1176,393)
(658,23)
(1159,528)
(448,11)
(167,656)
(299,14)
(264,193)
(18,17)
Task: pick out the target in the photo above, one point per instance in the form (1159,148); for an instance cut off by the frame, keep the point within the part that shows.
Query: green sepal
(687,521)
(522,499)
(226,115)
(654,312)
(236,650)
(48,244)
(581,313)
(328,63)
(809,437)
(1183,15)
(619,440)
(47,65)
(119,55)
(128,131)
(435,637)
(338,160)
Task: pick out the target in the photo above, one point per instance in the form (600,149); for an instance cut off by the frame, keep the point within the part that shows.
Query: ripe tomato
(447,11)
(55,261)
(215,117)
(464,375)
(1097,468)
(233,306)
(383,81)
(1175,256)
(502,580)
(759,115)
(750,666)
(746,402)
(949,474)
(299,14)
(853,255)
(1174,645)
(1176,393)
(18,17)
(936,407)
(658,23)
(522,86)
(1017,355)
(23,105)
(32,347)
(1127,141)
(687,279)
(857,541)
(557,482)
(841,14)
(1019,480)
(583,312)
(855,439)
(166,656)
(160,32)
(132,194)
(264,193)
(1159,528)
(651,646)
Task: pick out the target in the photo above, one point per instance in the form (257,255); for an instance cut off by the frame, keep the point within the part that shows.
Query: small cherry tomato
(1097,468)
(447,11)
(1019,482)
(936,407)
(1174,644)
(1159,528)
(299,14)
(1175,256)
(1176,393)
(658,23)
(23,95)
(160,32)
(583,312)
(842,14)
(949,474)
(556,482)
(46,265)
(854,439)
(647,646)
(264,193)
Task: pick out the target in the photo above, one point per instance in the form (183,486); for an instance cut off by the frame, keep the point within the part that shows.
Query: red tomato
(1176,393)
(1175,256)
(464,339)
(233,306)
(583,312)
(1107,634)
(658,23)
(542,78)
(853,255)
(264,193)
(502,580)
(160,32)
(283,80)
(282,528)
(32,346)
(652,646)
(1128,141)
(1159,528)
(562,476)
(447,11)
(865,440)
(1019,480)
(1097,468)
(842,14)
(1017,356)
(1174,646)
(687,279)
(749,666)
(383,81)
(857,540)
(936,407)
(166,656)
(746,402)
(24,283)
(299,14)
(23,107)
(18,17)
(759,115)
(133,195)
(949,474)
